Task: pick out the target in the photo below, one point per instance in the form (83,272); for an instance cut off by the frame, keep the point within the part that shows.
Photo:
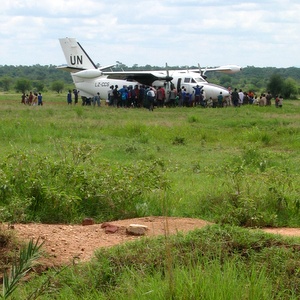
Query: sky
(258,33)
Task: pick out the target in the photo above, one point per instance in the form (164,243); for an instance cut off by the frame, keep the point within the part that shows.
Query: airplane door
(179,84)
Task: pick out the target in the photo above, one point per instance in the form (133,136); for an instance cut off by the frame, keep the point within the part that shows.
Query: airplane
(90,79)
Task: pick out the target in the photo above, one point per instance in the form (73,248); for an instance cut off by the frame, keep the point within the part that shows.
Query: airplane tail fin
(77,59)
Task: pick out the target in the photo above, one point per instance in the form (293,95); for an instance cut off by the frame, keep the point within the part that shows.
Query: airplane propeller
(168,77)
(201,72)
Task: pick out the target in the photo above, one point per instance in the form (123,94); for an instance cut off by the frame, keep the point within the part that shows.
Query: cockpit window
(193,80)
(199,79)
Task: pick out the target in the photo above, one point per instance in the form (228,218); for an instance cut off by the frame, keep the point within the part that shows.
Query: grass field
(233,166)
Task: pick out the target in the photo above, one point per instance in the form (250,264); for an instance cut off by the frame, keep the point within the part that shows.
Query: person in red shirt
(161,95)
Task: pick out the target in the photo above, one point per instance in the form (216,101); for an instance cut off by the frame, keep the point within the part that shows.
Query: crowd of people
(146,96)
(242,98)
(150,97)
(32,99)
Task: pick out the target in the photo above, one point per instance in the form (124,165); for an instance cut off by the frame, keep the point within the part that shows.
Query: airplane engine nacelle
(158,83)
(92,73)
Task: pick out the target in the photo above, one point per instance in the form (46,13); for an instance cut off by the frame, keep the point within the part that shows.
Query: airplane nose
(225,92)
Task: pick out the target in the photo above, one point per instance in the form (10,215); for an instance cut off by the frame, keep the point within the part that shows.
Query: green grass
(212,263)
(233,166)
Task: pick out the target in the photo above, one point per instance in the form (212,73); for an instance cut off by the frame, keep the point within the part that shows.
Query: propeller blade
(200,71)
(167,69)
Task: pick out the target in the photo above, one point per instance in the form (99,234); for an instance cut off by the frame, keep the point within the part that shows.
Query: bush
(66,190)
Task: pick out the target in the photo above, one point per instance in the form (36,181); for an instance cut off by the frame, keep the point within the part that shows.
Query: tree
(39,86)
(23,85)
(225,80)
(57,86)
(289,88)
(6,82)
(275,84)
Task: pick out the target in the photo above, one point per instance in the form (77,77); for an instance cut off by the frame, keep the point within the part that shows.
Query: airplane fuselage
(89,87)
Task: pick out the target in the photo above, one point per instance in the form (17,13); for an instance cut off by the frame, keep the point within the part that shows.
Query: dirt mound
(64,243)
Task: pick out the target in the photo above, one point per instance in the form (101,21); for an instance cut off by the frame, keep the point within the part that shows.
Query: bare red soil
(64,243)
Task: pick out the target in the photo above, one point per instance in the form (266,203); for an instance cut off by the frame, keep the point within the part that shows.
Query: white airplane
(89,79)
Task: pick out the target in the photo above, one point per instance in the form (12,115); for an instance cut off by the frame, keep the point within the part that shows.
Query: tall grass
(234,165)
(211,263)
(237,166)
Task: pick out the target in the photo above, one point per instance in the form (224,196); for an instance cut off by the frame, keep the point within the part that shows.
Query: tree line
(285,81)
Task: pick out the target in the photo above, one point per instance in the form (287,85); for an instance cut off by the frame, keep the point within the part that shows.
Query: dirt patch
(64,243)
(284,231)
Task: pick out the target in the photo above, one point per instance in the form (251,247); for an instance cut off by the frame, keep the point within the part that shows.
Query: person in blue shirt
(40,99)
(124,96)
(96,99)
(197,89)
(69,98)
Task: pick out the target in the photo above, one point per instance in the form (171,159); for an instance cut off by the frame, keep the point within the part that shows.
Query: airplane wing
(106,67)
(143,77)
(69,69)
(228,69)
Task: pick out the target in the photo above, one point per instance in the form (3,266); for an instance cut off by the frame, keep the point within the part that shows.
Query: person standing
(150,98)
(235,97)
(142,96)
(40,99)
(268,99)
(172,98)
(124,96)
(110,96)
(264,99)
(96,99)
(116,95)
(30,98)
(136,95)
(75,96)
(220,100)
(160,94)
(203,100)
(229,101)
(23,98)
(241,97)
(181,95)
(69,98)
(198,91)
(280,100)
(34,99)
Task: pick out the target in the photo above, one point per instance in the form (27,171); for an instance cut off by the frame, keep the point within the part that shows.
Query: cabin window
(187,80)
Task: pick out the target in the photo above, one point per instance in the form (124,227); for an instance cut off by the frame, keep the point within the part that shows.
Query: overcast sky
(258,33)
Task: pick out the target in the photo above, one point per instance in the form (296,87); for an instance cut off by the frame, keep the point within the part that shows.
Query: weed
(79,111)
(193,119)
(20,268)
(179,141)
